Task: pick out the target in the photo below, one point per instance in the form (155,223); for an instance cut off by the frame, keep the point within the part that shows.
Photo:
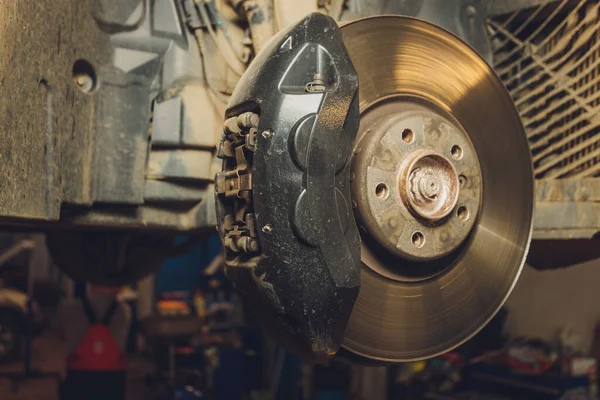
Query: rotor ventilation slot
(549,59)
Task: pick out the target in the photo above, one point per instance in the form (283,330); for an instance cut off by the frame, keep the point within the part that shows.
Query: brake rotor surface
(442,190)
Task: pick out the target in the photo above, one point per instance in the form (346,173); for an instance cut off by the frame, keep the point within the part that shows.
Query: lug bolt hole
(408,136)
(382,191)
(457,152)
(418,240)
(462,181)
(462,213)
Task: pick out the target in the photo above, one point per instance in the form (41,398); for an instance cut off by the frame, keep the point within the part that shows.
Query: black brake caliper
(283,198)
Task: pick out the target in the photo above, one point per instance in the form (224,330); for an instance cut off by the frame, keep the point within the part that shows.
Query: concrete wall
(544,302)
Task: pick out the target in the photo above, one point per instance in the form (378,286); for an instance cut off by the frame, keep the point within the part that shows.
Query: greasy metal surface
(395,320)
(405,143)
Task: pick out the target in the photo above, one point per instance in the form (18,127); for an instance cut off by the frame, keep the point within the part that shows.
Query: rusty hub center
(417,186)
(429,185)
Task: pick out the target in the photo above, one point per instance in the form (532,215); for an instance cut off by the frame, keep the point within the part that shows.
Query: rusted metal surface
(408,168)
(430,185)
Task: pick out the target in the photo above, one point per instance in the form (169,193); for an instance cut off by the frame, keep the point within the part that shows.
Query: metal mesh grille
(549,59)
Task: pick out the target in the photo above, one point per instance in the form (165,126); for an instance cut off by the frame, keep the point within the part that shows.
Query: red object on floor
(97,351)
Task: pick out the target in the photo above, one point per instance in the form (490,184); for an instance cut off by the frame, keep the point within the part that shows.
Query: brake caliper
(283,197)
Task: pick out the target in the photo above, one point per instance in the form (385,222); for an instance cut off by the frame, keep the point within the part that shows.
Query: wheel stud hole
(408,136)
(457,152)
(381,191)
(418,240)
(462,213)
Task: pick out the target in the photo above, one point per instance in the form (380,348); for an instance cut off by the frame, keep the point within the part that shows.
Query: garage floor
(49,354)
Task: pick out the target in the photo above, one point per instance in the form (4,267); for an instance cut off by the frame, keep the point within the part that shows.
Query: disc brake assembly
(385,154)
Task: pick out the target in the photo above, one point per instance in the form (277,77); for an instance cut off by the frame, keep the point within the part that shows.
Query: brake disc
(442,190)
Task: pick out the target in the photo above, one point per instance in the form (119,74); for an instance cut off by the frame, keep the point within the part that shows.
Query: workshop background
(544,344)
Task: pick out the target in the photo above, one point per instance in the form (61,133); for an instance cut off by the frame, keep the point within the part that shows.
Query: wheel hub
(411,168)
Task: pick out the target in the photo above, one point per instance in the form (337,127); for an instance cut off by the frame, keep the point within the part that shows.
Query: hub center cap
(429,185)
